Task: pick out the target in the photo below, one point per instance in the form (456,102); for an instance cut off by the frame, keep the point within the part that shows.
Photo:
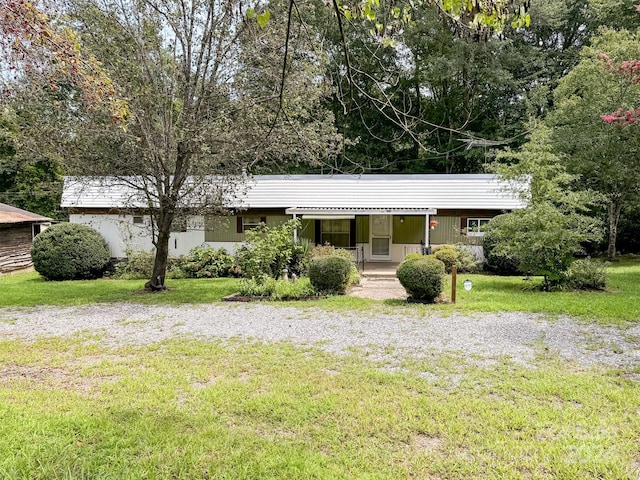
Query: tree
(33,184)
(412,108)
(204,112)
(604,156)
(551,230)
(39,47)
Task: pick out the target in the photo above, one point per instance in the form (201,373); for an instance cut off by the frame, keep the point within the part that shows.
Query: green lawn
(196,410)
(490,293)
(618,304)
(74,409)
(30,289)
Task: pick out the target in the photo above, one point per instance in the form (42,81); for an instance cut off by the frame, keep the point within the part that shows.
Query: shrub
(330,274)
(269,250)
(448,256)
(458,255)
(354,275)
(436,248)
(139,265)
(496,261)
(586,274)
(207,262)
(411,256)
(422,278)
(543,237)
(277,289)
(331,251)
(466,261)
(69,251)
(299,263)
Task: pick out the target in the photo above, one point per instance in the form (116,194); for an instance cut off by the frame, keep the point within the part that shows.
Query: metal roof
(392,192)
(9,214)
(308,212)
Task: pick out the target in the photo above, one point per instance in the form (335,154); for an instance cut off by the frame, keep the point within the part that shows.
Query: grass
(197,410)
(30,289)
(491,293)
(75,409)
(617,305)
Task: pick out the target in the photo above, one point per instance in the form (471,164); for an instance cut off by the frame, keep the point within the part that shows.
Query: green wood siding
(221,229)
(362,228)
(308,230)
(224,229)
(411,230)
(448,231)
(274,220)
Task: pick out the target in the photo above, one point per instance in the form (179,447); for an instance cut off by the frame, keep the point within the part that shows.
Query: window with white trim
(476,226)
(251,222)
(336,232)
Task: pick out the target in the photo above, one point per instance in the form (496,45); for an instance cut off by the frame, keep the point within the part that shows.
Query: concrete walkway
(378,289)
(378,281)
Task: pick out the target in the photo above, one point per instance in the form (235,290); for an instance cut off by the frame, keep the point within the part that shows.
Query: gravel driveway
(378,335)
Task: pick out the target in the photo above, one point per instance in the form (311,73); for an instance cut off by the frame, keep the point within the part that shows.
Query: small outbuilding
(17,229)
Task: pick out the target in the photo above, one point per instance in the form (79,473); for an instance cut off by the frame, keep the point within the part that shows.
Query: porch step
(379,270)
(382,275)
(379,277)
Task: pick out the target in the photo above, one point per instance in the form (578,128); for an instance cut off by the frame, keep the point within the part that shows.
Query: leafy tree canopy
(604,156)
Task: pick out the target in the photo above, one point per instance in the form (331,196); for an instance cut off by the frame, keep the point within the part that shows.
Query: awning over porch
(332,213)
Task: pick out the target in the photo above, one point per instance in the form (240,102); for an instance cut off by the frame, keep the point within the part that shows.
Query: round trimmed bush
(448,256)
(330,274)
(422,278)
(442,246)
(68,251)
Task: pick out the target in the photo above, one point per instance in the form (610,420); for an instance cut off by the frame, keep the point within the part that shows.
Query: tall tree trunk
(614,209)
(156,282)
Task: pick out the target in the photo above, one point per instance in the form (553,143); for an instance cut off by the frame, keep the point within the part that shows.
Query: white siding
(122,235)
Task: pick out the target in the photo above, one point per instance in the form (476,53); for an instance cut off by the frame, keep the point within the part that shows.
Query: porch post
(295,231)
(426,231)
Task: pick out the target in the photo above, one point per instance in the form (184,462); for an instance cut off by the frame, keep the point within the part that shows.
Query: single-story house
(383,217)
(17,229)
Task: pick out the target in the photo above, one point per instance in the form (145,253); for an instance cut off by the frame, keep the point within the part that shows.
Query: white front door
(380,237)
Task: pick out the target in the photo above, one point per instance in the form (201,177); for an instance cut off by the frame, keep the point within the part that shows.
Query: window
(138,220)
(336,232)
(179,224)
(248,222)
(251,222)
(475,226)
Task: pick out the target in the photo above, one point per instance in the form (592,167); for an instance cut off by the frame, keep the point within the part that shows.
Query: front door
(380,237)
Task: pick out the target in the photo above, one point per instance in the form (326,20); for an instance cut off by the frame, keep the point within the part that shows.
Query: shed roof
(10,214)
(323,191)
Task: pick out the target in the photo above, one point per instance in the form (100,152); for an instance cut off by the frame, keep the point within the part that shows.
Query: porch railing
(421,249)
(358,256)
